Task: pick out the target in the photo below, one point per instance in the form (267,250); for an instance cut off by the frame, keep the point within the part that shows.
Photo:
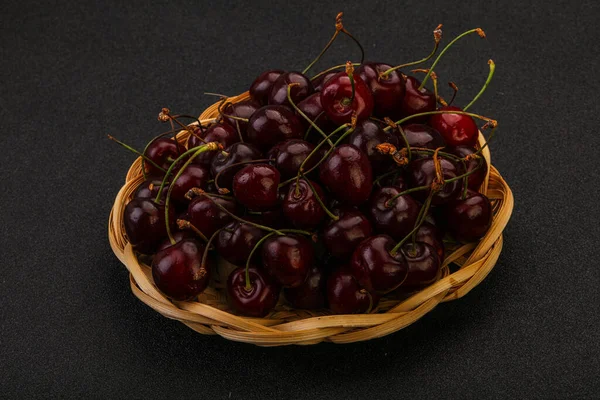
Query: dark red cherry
(244,109)
(423,264)
(367,135)
(395,218)
(301,207)
(476,178)
(419,135)
(312,108)
(398,180)
(144,222)
(288,258)
(192,176)
(416,100)
(347,174)
(456,129)
(432,236)
(236,240)
(224,134)
(255,186)
(375,268)
(273,124)
(207,217)
(178,236)
(469,219)
(299,92)
(345,296)
(261,87)
(236,153)
(163,151)
(274,218)
(310,295)
(287,156)
(421,172)
(336,99)
(148,189)
(388,90)
(342,236)
(320,81)
(257,300)
(178,271)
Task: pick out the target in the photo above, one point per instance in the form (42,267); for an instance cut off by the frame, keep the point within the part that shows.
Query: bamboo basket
(209,314)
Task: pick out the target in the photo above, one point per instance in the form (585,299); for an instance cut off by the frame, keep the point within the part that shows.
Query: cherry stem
(487,141)
(200,149)
(208,244)
(312,123)
(239,131)
(332,69)
(455,89)
(335,35)
(423,213)
(310,127)
(185,224)
(388,204)
(479,31)
(481,117)
(485,85)
(220,109)
(256,246)
(437,36)
(393,125)
(216,180)
(144,157)
(319,200)
(350,73)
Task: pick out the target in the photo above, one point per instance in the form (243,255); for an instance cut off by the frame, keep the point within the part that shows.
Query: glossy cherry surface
(416,100)
(470,218)
(423,264)
(310,295)
(207,217)
(257,300)
(236,240)
(255,186)
(178,271)
(192,176)
(398,180)
(148,189)
(287,156)
(432,236)
(298,92)
(456,129)
(475,180)
(420,135)
(313,109)
(347,174)
(346,296)
(394,218)
(162,151)
(273,124)
(288,258)
(421,172)
(178,236)
(144,222)
(301,206)
(262,85)
(320,81)
(336,99)
(224,134)
(244,109)
(342,236)
(375,268)
(366,136)
(234,154)
(388,90)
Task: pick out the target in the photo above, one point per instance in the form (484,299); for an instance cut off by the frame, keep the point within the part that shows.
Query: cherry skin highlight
(262,85)
(456,129)
(255,186)
(257,300)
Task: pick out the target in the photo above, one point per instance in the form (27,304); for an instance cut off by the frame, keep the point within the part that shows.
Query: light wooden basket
(209,314)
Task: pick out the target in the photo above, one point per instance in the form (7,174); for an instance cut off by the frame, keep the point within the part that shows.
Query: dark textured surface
(69,75)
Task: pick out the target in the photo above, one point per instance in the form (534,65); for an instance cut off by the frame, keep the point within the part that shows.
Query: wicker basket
(210,313)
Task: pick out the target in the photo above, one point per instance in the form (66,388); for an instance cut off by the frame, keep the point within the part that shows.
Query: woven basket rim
(209,314)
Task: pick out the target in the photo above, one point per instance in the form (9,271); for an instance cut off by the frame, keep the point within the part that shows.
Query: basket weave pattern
(209,313)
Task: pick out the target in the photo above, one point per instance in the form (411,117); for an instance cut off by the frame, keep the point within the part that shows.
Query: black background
(70,74)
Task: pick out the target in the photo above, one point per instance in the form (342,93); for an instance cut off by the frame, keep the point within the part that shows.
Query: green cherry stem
(144,157)
(479,31)
(485,85)
(312,123)
(256,246)
(332,69)
(185,224)
(208,244)
(319,200)
(350,73)
(423,213)
(481,117)
(487,141)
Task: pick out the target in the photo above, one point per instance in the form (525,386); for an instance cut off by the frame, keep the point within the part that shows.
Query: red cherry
(162,151)
(421,172)
(261,87)
(476,178)
(469,219)
(310,295)
(366,136)
(416,100)
(336,99)
(288,258)
(456,129)
(273,124)
(244,109)
(345,296)
(301,207)
(193,176)
(255,186)
(236,241)
(419,135)
(298,92)
(343,235)
(224,134)
(423,264)
(388,90)
(393,217)
(234,154)
(207,217)
(145,226)
(254,301)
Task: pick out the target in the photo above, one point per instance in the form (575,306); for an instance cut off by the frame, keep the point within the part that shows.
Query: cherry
(416,100)
(470,218)
(375,268)
(431,235)
(148,189)
(366,136)
(310,295)
(312,108)
(395,218)
(207,217)
(178,236)
(419,135)
(456,129)
(273,124)
(289,155)
(340,102)
(322,79)
(423,264)
(144,222)
(388,90)
(255,300)
(421,172)
(261,87)
(236,240)
(345,296)
(302,90)
(244,109)
(475,180)
(347,174)
(301,207)
(234,154)
(255,186)
(192,176)
(288,258)
(341,236)
(162,151)
(224,134)
(398,180)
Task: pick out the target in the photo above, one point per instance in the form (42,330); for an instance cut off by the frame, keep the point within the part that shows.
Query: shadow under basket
(465,266)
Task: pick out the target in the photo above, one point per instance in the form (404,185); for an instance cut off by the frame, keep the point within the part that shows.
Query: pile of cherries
(334,190)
